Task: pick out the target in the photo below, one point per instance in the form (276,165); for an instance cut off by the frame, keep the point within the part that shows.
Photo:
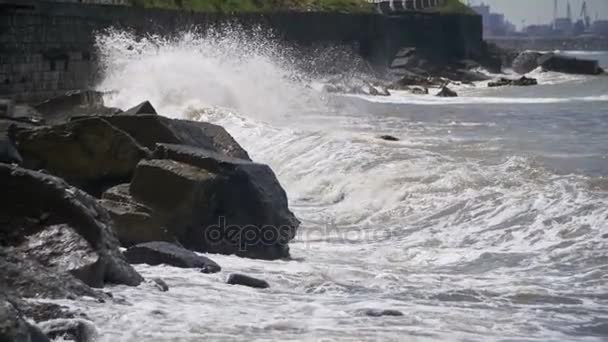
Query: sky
(541,11)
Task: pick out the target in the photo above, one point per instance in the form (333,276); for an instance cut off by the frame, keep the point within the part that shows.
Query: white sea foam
(460,225)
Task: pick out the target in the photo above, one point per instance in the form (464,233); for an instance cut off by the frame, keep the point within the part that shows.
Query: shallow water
(485,222)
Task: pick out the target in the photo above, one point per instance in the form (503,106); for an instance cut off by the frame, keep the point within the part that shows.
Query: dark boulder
(78,330)
(526,62)
(44,201)
(381,312)
(142,108)
(241,279)
(8,152)
(521,82)
(446,92)
(157,253)
(89,153)
(74,103)
(388,138)
(569,65)
(133,222)
(149,130)
(13,328)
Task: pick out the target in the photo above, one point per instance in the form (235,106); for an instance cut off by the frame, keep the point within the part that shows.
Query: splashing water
(484,222)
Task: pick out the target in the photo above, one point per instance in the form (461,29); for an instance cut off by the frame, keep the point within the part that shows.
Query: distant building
(600,27)
(563,25)
(494,24)
(538,30)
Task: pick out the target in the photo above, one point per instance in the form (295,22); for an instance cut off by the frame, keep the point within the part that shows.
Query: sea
(486,221)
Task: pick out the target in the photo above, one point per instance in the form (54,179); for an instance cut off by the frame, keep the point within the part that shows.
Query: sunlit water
(485,222)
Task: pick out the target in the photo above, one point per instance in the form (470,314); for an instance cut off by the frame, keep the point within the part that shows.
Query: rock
(446,92)
(243,209)
(75,103)
(89,153)
(50,201)
(60,248)
(388,138)
(142,108)
(78,330)
(13,328)
(133,222)
(380,313)
(382,90)
(405,58)
(7,108)
(241,279)
(160,284)
(522,82)
(569,65)
(157,253)
(415,80)
(8,152)
(526,62)
(419,90)
(149,130)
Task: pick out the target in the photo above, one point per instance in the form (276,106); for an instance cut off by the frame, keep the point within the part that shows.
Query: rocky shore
(82,182)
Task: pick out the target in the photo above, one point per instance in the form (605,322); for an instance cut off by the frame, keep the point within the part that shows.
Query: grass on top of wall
(452,7)
(228,6)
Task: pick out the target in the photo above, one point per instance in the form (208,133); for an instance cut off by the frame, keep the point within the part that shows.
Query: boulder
(44,201)
(133,222)
(13,328)
(569,65)
(388,138)
(415,80)
(446,92)
(160,284)
(89,153)
(74,103)
(526,62)
(419,90)
(241,279)
(78,330)
(213,203)
(8,151)
(149,130)
(521,82)
(60,248)
(157,253)
(142,108)
(381,312)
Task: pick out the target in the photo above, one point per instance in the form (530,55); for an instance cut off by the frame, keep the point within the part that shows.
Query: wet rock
(410,80)
(446,92)
(133,222)
(142,108)
(160,252)
(241,279)
(8,152)
(419,90)
(388,138)
(89,153)
(51,201)
(569,65)
(160,284)
(526,62)
(242,208)
(75,103)
(148,130)
(381,312)
(521,82)
(13,328)
(60,248)
(78,330)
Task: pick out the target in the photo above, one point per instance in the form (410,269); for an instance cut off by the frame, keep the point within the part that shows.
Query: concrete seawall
(48,48)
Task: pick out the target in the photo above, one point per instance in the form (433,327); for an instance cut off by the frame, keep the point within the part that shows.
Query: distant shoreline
(551,43)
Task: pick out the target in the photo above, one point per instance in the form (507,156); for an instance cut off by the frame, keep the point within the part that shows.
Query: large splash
(249,73)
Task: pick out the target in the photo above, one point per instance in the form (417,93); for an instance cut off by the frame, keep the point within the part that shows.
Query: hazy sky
(541,11)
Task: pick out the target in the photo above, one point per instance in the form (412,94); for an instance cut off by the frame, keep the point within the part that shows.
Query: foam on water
(453,225)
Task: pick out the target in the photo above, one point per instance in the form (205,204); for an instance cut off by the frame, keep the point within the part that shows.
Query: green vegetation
(227,6)
(453,7)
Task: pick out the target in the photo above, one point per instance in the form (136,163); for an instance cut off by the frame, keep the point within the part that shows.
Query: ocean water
(487,221)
